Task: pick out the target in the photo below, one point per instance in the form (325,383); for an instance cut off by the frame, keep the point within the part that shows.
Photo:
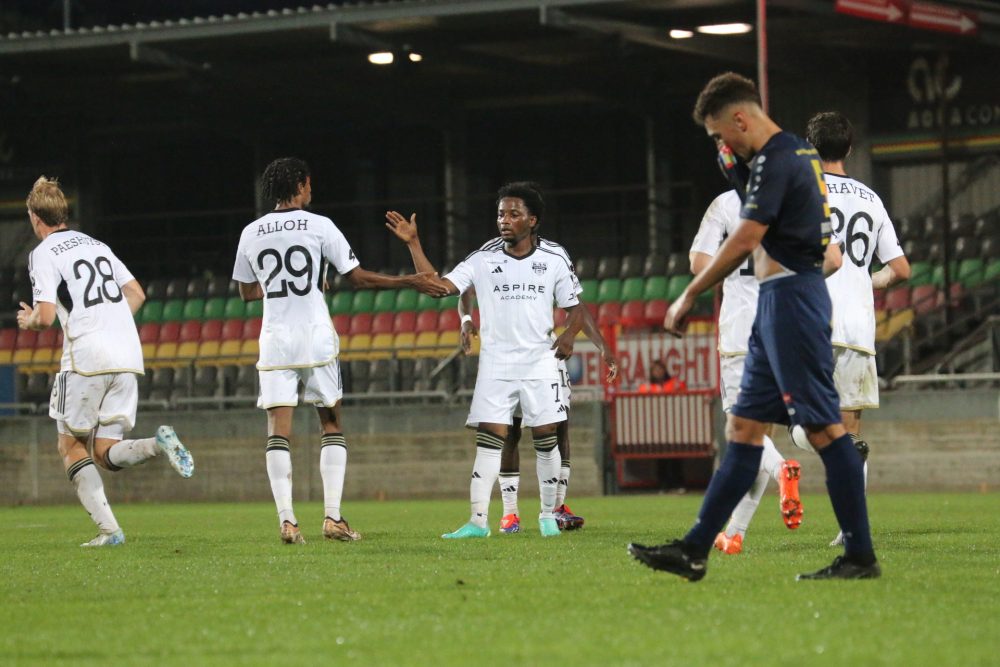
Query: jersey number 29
(286,263)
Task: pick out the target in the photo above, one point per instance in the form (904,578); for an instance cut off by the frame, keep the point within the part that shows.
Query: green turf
(211,585)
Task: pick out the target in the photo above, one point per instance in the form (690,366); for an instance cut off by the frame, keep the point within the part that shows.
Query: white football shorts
(731,372)
(323,386)
(107,402)
(494,401)
(565,392)
(856,378)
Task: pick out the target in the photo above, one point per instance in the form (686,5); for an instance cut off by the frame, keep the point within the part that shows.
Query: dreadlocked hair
(282,178)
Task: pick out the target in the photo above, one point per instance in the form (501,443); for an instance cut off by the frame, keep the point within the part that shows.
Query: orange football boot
(729,545)
(788,486)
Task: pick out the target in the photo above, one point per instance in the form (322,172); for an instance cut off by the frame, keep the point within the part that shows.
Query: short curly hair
(282,178)
(721,91)
(528,192)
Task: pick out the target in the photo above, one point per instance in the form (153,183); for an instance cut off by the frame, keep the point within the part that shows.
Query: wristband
(466,318)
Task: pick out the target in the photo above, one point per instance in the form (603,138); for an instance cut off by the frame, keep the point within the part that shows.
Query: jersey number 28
(101,267)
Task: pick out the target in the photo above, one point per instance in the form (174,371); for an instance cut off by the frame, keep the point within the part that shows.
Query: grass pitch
(210,584)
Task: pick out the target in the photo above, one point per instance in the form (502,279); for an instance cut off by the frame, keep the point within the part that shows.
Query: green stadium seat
(255,308)
(632,289)
(677,285)
(152,311)
(194,309)
(921,273)
(215,308)
(655,288)
(992,271)
(363,302)
(173,310)
(235,308)
(385,301)
(610,289)
(425,302)
(589,294)
(970,272)
(340,304)
(448,303)
(406,299)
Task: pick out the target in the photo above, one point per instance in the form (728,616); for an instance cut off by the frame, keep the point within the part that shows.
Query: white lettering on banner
(692,359)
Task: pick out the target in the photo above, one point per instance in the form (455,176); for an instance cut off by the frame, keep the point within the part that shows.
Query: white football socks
(332,467)
(547,466)
(509,483)
(90,491)
(771,459)
(485,471)
(128,453)
(279,472)
(564,469)
(747,507)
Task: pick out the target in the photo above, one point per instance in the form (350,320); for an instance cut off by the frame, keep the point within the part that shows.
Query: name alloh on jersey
(272,226)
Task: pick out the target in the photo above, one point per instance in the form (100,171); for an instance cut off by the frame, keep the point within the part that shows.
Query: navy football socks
(729,484)
(845,482)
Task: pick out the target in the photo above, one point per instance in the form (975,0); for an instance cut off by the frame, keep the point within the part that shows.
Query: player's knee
(861,446)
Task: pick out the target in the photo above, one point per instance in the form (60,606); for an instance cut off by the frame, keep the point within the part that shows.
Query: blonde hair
(47,201)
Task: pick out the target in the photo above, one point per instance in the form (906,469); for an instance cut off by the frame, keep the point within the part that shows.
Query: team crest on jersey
(539,267)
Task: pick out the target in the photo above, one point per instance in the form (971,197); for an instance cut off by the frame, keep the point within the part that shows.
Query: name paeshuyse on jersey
(286,252)
(516,296)
(84,279)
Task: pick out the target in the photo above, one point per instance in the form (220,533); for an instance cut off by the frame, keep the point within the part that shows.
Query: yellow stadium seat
(403,344)
(43,356)
(6,356)
(426,344)
(231,349)
(165,355)
(701,328)
(448,341)
(356,346)
(148,351)
(381,346)
(894,324)
(22,357)
(207,353)
(187,350)
(250,351)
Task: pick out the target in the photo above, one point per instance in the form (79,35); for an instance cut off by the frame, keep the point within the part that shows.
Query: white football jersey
(863,228)
(740,288)
(286,252)
(84,279)
(515,296)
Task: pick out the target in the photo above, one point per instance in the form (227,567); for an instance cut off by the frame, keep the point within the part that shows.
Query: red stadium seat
(593,308)
(26,339)
(342,323)
(7,338)
(655,311)
(211,330)
(170,332)
(898,298)
(609,314)
(634,314)
(924,299)
(361,323)
(382,323)
(405,322)
(232,329)
(427,321)
(190,331)
(149,333)
(880,299)
(251,328)
(449,320)
(47,338)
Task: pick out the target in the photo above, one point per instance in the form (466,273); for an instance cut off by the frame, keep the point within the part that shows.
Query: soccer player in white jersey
(510,460)
(80,280)
(864,229)
(282,259)
(516,283)
(739,306)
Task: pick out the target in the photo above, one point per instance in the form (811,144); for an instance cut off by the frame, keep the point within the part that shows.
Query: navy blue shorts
(788,373)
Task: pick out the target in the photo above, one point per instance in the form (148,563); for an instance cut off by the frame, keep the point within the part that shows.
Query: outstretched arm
(406,231)
(428,283)
(593,332)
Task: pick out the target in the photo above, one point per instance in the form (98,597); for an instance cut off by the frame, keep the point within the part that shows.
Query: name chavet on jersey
(515,306)
(286,252)
(863,228)
(84,279)
(740,288)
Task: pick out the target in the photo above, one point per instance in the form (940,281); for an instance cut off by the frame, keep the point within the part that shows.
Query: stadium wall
(930,440)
